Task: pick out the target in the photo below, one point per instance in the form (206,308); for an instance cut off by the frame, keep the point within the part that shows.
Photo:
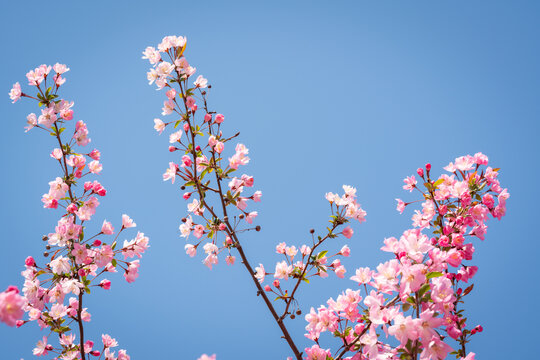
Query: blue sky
(324,94)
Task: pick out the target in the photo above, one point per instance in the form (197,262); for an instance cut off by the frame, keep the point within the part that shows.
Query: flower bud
(30,261)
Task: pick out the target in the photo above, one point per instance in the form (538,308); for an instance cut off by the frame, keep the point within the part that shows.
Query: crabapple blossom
(76,258)
(413,298)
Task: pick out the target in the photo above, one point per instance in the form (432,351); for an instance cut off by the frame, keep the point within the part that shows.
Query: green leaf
(321,254)
(438,182)
(114,263)
(423,290)
(406,307)
(433,274)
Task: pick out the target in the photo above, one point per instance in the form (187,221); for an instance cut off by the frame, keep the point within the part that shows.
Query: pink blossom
(42,348)
(190,250)
(207,357)
(127,222)
(107,228)
(410,183)
(15,93)
(400,206)
(95,154)
(348,232)
(47,117)
(363,275)
(170,173)
(257,196)
(11,306)
(283,270)
(132,271)
(152,55)
(260,273)
(252,215)
(219,147)
(345,251)
(95,167)
(31,121)
(201,82)
(168,107)
(340,271)
(175,137)
(230,260)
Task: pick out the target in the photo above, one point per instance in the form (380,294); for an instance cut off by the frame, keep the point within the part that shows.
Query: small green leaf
(423,290)
(433,274)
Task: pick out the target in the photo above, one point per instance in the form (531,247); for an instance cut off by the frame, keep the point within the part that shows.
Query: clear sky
(324,94)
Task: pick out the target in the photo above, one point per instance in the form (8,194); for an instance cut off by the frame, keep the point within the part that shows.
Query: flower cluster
(204,171)
(415,298)
(77,261)
(207,175)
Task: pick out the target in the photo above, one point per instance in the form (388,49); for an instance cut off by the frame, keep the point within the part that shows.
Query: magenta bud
(30,261)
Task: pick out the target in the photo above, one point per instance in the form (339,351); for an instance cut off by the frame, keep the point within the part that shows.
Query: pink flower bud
(95,353)
(267,288)
(443,209)
(96,243)
(428,166)
(219,118)
(95,154)
(172,148)
(30,261)
(88,186)
(105,284)
(420,172)
(276,283)
(186,127)
(72,208)
(81,272)
(222,226)
(197,148)
(207,118)
(186,195)
(20,323)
